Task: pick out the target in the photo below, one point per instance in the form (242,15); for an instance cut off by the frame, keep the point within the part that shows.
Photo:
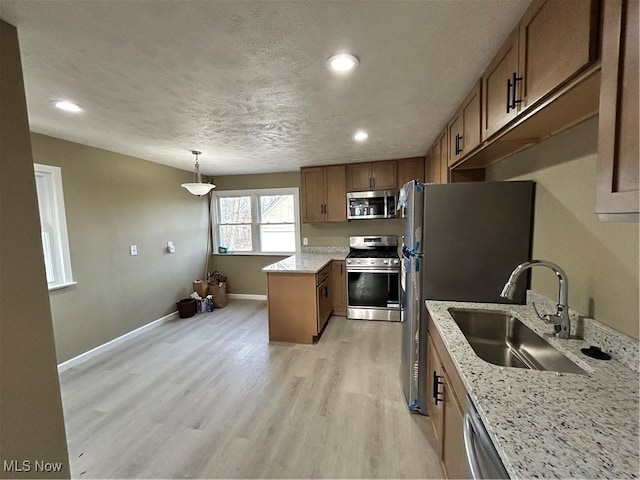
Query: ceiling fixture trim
(360,136)
(343,63)
(198,187)
(67,106)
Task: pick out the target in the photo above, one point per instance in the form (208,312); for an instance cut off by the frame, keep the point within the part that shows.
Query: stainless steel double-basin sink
(502,339)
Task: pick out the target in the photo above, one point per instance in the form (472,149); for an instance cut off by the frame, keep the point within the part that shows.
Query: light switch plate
(133,250)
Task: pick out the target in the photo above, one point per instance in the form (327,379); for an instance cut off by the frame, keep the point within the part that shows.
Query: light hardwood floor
(210,397)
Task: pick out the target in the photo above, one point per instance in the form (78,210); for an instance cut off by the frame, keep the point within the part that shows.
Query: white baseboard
(247,296)
(72,362)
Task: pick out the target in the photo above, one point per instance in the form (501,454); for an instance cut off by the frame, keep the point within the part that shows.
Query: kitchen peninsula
(303,290)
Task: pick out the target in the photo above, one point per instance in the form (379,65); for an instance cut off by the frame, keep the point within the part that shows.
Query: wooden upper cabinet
(618,155)
(336,193)
(312,185)
(444,158)
(359,177)
(455,131)
(554,40)
(385,175)
(362,177)
(496,87)
(557,39)
(324,197)
(433,164)
(464,130)
(410,169)
(437,170)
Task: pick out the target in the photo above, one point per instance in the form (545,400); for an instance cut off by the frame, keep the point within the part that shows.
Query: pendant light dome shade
(197,187)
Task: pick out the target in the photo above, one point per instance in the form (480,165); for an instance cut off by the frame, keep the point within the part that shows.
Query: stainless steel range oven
(373,278)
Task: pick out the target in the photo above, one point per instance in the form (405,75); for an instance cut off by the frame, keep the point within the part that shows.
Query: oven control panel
(374,262)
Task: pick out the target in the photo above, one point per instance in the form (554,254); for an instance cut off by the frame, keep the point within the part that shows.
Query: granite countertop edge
(305,262)
(545,424)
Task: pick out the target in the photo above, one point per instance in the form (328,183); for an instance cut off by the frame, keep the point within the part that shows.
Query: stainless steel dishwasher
(482,458)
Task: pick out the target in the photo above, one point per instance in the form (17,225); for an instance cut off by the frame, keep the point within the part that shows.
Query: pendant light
(197,187)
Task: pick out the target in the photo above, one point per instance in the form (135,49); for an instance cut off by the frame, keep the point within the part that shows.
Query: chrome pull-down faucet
(560,319)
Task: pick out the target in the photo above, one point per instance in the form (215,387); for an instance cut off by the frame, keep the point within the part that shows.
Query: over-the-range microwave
(374,204)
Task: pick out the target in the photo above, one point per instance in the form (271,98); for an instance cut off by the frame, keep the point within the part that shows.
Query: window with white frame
(53,225)
(256,221)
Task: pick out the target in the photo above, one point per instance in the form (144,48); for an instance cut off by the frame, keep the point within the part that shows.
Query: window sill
(62,285)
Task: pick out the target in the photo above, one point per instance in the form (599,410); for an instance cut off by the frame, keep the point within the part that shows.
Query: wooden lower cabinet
(446,400)
(324,302)
(299,305)
(339,272)
(453,450)
(436,386)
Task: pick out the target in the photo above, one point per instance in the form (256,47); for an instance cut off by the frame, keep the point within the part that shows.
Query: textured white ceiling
(246,82)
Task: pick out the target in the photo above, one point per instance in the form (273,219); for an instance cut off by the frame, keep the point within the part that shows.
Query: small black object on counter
(595,352)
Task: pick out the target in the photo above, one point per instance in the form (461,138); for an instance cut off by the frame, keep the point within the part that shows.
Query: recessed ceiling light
(361,136)
(342,63)
(67,106)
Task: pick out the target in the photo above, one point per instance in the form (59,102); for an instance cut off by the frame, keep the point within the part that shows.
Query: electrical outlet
(133,250)
(305,241)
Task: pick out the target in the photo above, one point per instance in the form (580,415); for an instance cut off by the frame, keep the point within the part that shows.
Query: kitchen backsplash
(622,348)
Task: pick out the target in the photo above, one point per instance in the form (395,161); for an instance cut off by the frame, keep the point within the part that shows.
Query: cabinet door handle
(341,269)
(512,100)
(458,148)
(436,388)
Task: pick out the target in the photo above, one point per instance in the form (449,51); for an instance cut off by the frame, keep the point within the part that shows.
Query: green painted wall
(113,201)
(600,258)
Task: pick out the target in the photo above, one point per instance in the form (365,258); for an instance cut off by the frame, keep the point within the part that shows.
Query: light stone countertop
(304,262)
(549,425)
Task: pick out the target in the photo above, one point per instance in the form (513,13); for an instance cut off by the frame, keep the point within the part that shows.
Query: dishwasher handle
(472,458)
(482,458)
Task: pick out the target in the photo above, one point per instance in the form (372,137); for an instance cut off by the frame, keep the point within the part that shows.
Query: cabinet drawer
(323,274)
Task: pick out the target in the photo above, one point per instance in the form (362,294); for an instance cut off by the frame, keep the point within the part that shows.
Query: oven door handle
(372,270)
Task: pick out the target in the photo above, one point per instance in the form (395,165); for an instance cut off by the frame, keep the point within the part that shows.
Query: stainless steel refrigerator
(461,241)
